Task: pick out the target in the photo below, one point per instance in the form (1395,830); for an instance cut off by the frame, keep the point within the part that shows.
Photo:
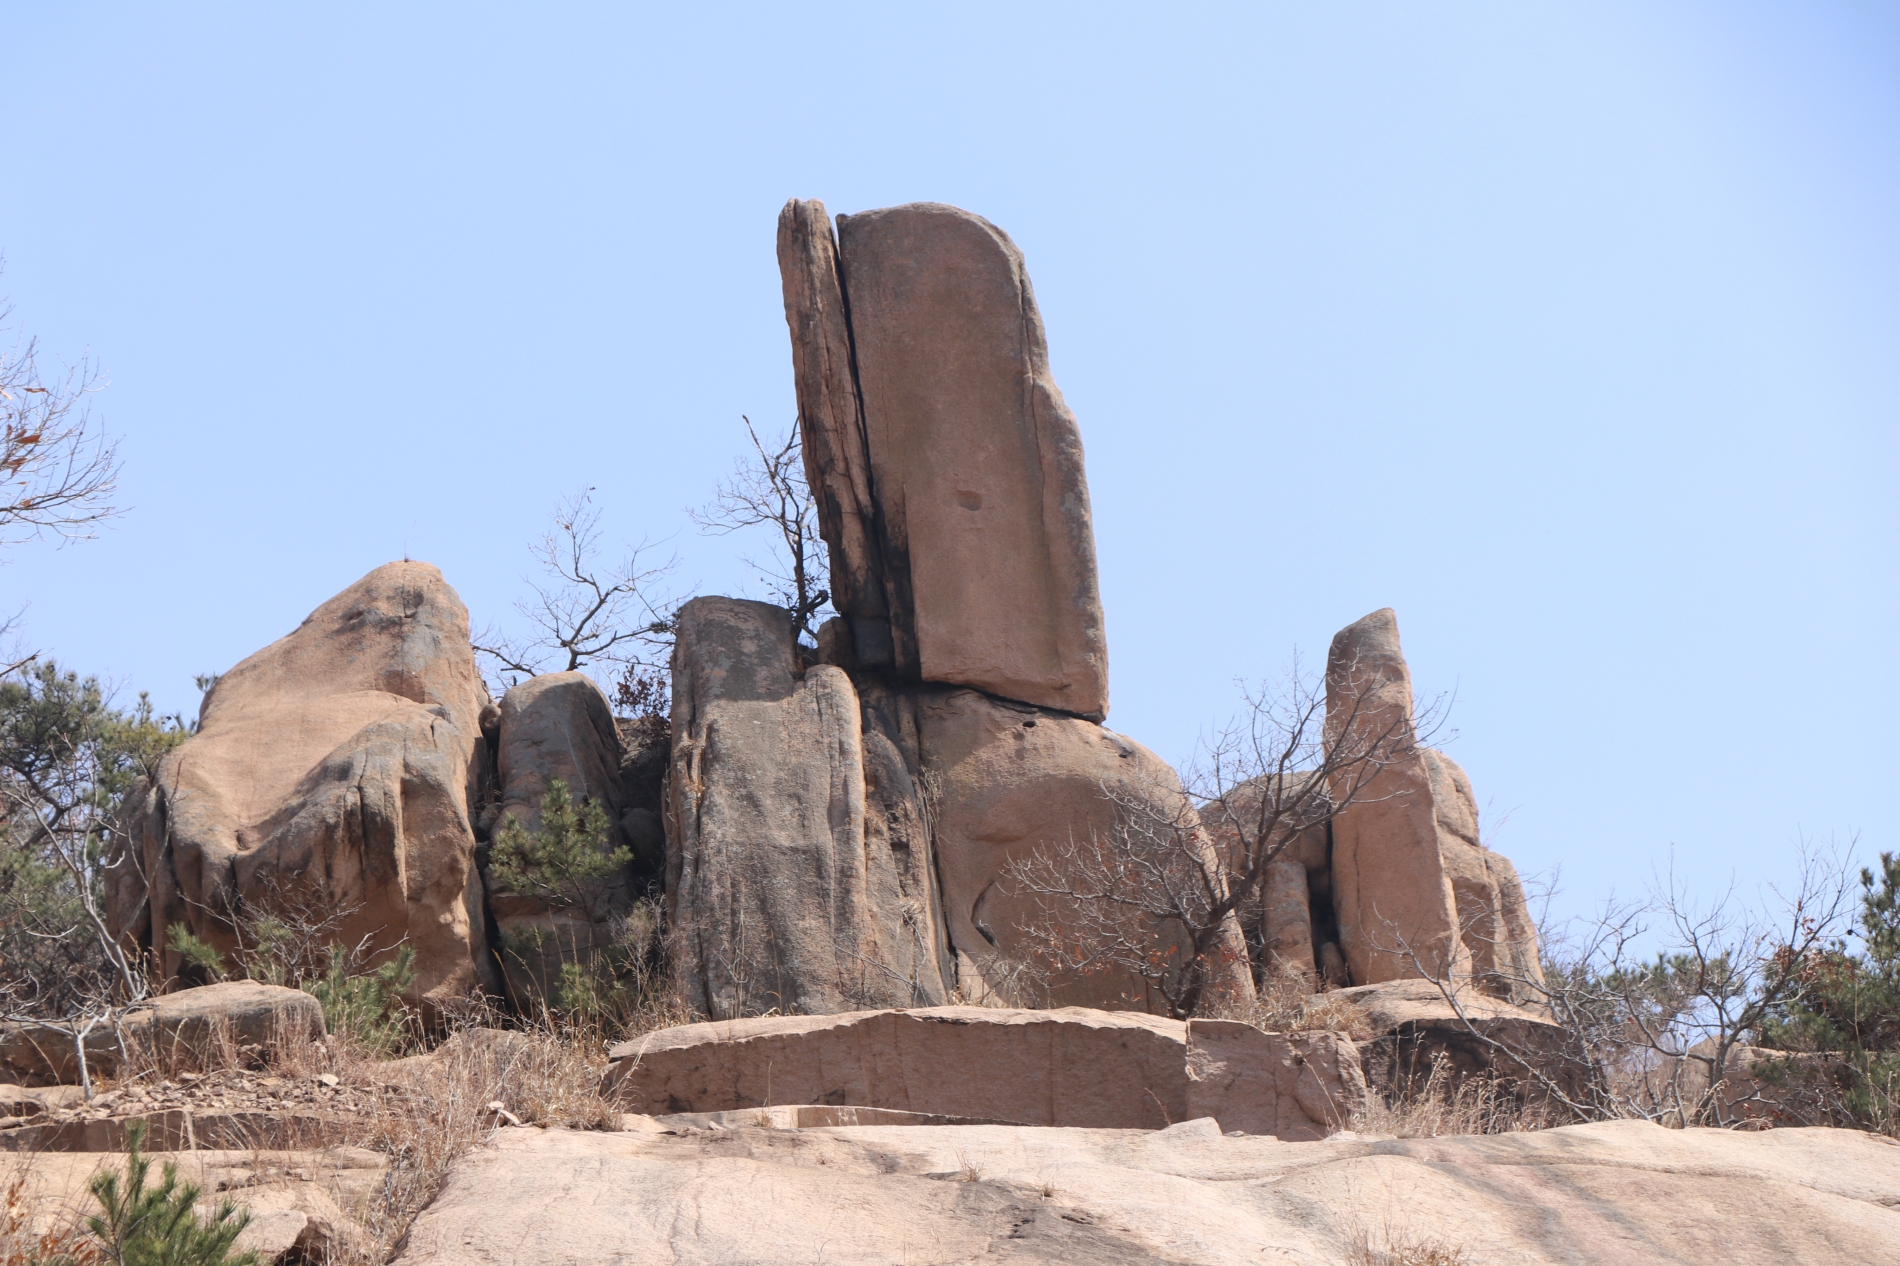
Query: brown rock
(831,421)
(1011,781)
(775,898)
(1072,1066)
(1415,891)
(1412,1027)
(235,1021)
(557,725)
(947,464)
(333,771)
(1294,1086)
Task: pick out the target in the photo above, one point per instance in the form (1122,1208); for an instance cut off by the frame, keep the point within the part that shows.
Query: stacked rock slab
(555,726)
(948,471)
(332,774)
(777,896)
(1415,892)
(840,833)
(1070,1067)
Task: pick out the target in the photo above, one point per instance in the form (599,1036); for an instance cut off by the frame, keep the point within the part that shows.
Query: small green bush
(366,1006)
(160,1226)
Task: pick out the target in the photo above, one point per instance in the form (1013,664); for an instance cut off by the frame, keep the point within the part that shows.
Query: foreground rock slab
(1068,1067)
(1626,1193)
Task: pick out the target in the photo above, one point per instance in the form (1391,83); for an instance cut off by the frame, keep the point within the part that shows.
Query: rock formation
(780,895)
(555,726)
(1415,891)
(840,832)
(1068,1067)
(333,770)
(947,469)
(1011,780)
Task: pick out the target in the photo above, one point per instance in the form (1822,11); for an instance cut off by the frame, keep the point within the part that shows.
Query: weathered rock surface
(1013,782)
(947,468)
(300,1201)
(775,897)
(557,725)
(1294,1086)
(1067,1067)
(1415,891)
(1625,1194)
(333,771)
(1406,1026)
(190,1029)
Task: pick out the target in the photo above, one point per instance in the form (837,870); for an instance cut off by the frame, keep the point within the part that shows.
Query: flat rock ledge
(1627,1193)
(1071,1067)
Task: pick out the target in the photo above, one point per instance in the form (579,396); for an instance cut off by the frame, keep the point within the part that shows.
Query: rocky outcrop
(235,1020)
(776,898)
(555,726)
(1015,783)
(1415,891)
(1619,1194)
(1410,1029)
(1067,1067)
(332,771)
(948,471)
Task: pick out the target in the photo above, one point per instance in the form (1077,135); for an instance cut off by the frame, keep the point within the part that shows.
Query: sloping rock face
(557,725)
(1623,1194)
(774,897)
(332,771)
(1415,892)
(1067,1067)
(948,470)
(1013,781)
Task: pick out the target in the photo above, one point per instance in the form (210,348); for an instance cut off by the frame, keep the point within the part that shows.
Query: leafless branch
(768,489)
(58,470)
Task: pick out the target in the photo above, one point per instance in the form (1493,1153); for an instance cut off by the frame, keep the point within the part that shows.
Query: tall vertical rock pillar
(948,470)
(1415,891)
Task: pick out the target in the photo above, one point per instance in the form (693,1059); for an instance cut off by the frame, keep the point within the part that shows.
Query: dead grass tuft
(1284,1003)
(1400,1248)
(1445,1104)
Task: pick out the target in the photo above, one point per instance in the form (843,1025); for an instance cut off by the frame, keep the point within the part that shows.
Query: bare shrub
(1156,896)
(1396,1246)
(1442,1103)
(583,610)
(768,489)
(58,471)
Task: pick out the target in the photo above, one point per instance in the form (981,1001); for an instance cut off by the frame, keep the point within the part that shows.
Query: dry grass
(1443,1104)
(1283,1003)
(1399,1248)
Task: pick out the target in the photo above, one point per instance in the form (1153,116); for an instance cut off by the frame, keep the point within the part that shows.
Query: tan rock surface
(1065,1067)
(1012,781)
(1625,1194)
(1294,1086)
(300,1200)
(189,1029)
(774,896)
(975,461)
(333,770)
(831,421)
(1415,891)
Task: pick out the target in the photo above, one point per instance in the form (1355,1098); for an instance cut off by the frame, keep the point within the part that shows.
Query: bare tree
(1155,896)
(58,471)
(768,489)
(583,611)
(1657,1000)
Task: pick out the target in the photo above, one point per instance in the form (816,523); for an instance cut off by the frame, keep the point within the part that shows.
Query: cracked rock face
(947,468)
(332,775)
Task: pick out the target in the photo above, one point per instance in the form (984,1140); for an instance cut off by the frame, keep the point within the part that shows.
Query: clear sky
(1571,331)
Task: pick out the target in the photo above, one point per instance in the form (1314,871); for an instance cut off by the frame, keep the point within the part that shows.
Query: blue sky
(1569,330)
